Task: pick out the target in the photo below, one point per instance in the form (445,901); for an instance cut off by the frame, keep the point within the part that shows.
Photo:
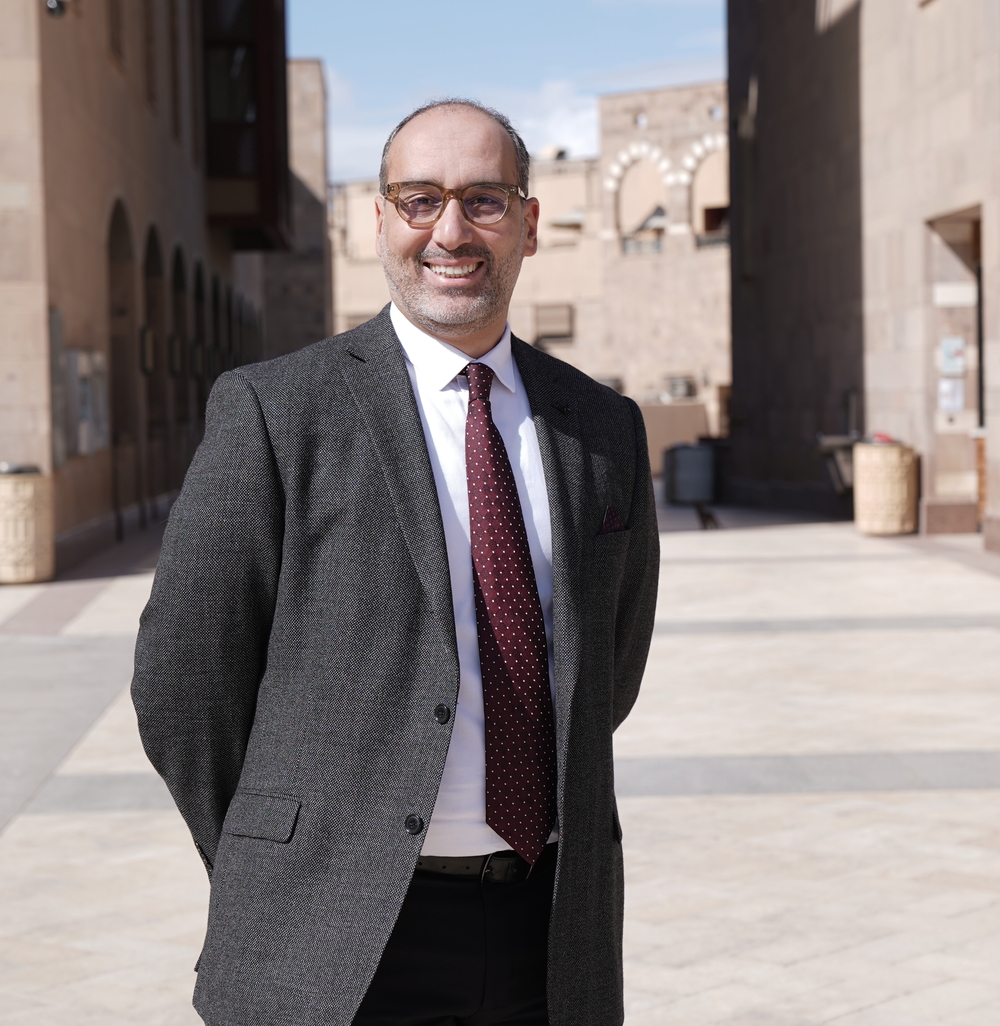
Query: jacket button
(442,714)
(413,824)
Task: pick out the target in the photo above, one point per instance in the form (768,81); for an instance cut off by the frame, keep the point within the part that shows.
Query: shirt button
(442,714)
(413,824)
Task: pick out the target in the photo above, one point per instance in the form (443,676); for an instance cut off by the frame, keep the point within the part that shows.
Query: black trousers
(466,953)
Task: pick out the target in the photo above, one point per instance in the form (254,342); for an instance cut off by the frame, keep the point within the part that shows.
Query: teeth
(452,272)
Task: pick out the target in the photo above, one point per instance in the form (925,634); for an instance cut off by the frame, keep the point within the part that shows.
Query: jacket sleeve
(203,636)
(637,595)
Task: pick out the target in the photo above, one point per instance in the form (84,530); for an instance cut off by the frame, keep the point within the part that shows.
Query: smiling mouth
(461,271)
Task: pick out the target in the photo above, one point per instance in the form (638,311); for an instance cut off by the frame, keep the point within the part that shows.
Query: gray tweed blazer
(300,634)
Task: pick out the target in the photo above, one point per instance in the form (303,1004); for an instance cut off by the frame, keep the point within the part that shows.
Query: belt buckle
(489,859)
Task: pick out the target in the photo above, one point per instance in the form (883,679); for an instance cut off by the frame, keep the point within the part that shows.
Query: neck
(475,340)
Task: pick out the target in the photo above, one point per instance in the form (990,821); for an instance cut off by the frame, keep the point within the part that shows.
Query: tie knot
(480,380)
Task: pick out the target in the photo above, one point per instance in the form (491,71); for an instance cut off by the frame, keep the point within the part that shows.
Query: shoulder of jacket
(313,365)
(569,379)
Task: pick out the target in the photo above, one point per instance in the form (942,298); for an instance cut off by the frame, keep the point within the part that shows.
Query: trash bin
(27,546)
(885,488)
(689,474)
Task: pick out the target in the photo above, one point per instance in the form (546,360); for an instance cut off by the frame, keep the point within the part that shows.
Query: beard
(453,311)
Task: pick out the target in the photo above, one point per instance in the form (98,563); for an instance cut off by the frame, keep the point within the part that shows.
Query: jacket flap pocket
(268,816)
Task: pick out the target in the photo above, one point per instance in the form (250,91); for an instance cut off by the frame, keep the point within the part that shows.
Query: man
(404,599)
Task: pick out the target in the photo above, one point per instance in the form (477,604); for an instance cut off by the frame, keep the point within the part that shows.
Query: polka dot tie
(520,727)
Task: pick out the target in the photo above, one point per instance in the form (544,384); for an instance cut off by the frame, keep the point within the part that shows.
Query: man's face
(454,275)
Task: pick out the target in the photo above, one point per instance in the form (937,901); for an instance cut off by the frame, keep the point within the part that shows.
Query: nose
(452,229)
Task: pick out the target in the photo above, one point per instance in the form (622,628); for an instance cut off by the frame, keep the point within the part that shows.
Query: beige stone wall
(24,363)
(106,139)
(297,286)
(359,289)
(930,164)
(86,131)
(866,193)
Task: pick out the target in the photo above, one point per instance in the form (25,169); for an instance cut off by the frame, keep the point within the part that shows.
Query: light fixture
(57,8)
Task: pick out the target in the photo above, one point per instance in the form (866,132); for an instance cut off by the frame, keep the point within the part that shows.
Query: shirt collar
(438,364)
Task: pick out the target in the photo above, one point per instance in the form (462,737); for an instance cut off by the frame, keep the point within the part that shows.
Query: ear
(379,221)
(531,211)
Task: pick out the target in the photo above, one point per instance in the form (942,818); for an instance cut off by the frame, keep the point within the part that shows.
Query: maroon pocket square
(613,523)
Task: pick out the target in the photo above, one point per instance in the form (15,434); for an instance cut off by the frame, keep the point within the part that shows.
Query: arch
(152,262)
(119,235)
(237,330)
(178,277)
(696,153)
(680,175)
(215,342)
(200,325)
(227,329)
(178,343)
(155,365)
(625,158)
(199,343)
(710,194)
(641,194)
(127,401)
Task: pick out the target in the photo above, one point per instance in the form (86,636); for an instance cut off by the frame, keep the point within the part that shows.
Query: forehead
(452,146)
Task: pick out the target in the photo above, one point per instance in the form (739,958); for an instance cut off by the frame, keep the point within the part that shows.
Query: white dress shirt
(458,824)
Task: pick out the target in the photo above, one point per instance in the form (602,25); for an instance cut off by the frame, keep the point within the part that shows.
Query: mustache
(462,252)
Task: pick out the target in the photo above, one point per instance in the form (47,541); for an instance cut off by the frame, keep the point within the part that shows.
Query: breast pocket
(270,817)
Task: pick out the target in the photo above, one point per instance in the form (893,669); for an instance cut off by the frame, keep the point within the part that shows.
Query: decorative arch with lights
(682,175)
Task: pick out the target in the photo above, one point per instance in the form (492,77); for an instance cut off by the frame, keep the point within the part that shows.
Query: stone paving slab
(849,772)
(53,690)
(807,788)
(807,910)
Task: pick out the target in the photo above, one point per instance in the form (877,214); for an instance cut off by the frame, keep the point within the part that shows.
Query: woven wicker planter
(885,488)
(27,549)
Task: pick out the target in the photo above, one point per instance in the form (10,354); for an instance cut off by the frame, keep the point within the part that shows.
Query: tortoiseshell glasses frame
(421,204)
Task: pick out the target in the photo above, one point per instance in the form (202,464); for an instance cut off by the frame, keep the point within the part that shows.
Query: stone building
(143,165)
(865,244)
(631,279)
(295,286)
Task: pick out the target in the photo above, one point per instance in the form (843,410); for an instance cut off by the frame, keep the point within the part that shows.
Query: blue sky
(542,62)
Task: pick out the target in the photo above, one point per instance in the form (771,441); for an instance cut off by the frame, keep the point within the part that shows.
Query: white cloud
(339,91)
(557,114)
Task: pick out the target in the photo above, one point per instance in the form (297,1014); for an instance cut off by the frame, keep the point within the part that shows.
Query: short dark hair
(520,150)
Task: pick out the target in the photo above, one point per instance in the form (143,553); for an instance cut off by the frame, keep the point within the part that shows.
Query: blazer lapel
(558,427)
(373,365)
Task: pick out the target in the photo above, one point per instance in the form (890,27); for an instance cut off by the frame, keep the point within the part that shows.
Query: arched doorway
(127,403)
(179,357)
(215,367)
(199,351)
(160,473)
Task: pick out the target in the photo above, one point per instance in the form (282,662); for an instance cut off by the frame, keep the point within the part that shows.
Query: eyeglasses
(422,204)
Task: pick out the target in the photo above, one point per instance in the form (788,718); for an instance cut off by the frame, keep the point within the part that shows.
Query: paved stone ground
(808,786)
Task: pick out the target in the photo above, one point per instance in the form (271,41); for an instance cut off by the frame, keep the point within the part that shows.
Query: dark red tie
(520,727)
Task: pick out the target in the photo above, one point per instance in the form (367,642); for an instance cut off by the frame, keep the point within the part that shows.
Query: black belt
(500,867)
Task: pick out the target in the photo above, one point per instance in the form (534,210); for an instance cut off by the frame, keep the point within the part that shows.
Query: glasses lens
(485,204)
(419,203)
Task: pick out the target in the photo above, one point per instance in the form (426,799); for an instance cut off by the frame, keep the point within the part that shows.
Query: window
(231,78)
(648,237)
(245,104)
(553,323)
